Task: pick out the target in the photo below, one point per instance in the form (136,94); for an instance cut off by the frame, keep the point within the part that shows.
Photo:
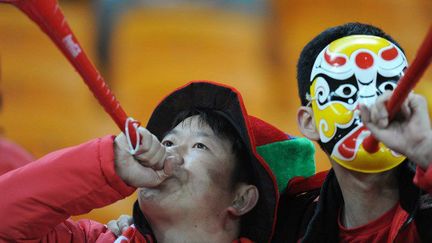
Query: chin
(149,194)
(153,202)
(159,194)
(150,200)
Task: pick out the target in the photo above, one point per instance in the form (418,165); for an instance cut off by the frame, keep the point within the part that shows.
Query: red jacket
(308,210)
(38,199)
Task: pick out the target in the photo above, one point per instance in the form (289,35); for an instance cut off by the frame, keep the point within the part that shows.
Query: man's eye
(346,91)
(167,143)
(200,146)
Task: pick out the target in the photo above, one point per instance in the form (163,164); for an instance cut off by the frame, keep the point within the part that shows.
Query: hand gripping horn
(406,84)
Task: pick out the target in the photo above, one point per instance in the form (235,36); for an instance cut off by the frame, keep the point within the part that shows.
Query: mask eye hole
(387,86)
(346,91)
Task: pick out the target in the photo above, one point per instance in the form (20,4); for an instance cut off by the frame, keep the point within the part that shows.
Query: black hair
(317,44)
(222,128)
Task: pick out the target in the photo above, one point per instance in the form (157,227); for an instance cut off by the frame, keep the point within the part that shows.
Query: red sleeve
(39,197)
(423,179)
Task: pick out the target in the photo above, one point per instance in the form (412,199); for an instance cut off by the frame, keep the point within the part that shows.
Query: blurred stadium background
(147,48)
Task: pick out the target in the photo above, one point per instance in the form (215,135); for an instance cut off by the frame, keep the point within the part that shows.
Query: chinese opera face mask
(352,70)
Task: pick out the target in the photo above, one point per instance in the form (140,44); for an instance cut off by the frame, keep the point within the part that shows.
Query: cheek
(209,187)
(210,179)
(205,193)
(215,195)
(206,170)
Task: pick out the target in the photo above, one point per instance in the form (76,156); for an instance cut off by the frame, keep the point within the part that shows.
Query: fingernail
(383,123)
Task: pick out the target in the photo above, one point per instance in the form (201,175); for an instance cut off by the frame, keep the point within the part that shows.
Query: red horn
(49,17)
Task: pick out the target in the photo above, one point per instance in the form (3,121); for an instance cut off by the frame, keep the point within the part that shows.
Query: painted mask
(352,70)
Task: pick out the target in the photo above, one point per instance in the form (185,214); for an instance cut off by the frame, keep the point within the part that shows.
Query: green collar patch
(289,158)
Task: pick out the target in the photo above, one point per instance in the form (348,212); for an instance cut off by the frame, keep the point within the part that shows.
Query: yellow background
(48,107)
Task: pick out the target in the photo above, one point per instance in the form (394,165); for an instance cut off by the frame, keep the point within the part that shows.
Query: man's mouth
(179,176)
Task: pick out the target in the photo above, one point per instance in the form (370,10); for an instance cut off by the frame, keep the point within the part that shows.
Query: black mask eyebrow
(334,84)
(381,79)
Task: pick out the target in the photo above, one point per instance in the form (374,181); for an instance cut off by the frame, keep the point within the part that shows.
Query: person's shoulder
(296,207)
(302,192)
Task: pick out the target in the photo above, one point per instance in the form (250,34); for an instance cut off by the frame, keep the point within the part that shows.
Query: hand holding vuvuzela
(152,164)
(409,133)
(406,84)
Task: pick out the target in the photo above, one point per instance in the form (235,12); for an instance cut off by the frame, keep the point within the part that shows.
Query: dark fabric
(321,226)
(423,221)
(257,224)
(141,223)
(293,214)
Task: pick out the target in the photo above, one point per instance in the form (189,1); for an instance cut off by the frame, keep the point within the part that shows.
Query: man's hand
(120,225)
(149,167)
(409,133)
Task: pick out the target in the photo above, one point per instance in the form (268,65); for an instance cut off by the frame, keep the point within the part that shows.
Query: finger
(171,164)
(158,159)
(381,104)
(112,225)
(374,129)
(377,116)
(124,222)
(161,176)
(154,156)
(121,141)
(420,114)
(417,103)
(146,140)
(364,113)
(145,143)
(406,110)
(381,108)
(378,111)
(123,225)
(148,177)
(383,122)
(126,218)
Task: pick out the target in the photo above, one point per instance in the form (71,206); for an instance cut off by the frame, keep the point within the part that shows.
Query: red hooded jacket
(38,199)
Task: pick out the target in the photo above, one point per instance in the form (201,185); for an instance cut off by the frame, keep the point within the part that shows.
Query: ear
(246,198)
(306,123)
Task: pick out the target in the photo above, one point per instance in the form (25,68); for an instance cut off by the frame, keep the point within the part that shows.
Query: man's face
(352,70)
(202,183)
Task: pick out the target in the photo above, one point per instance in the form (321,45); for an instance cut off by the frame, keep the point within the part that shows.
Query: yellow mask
(352,70)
